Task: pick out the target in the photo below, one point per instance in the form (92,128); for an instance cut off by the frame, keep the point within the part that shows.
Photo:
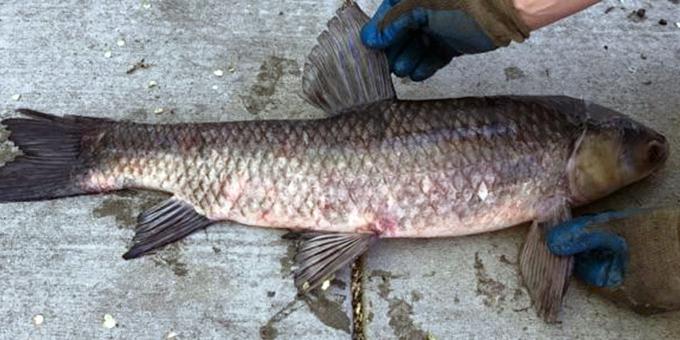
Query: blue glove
(419,37)
(600,257)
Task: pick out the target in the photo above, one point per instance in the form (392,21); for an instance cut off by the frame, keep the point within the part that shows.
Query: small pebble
(171,335)
(663,22)
(107,54)
(214,87)
(231,69)
(677,24)
(152,84)
(38,319)
(109,321)
(16,97)
(120,42)
(325,285)
(158,110)
(218,73)
(638,15)
(146,4)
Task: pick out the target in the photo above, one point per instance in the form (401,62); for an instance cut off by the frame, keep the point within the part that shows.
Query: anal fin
(546,276)
(321,255)
(341,74)
(167,222)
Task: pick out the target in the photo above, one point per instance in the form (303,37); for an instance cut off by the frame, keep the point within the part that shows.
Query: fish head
(612,151)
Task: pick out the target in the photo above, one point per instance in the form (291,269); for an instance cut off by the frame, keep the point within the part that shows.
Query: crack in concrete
(268,331)
(327,311)
(357,289)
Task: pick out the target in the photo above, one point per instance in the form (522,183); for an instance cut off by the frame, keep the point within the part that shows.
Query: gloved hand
(422,36)
(600,257)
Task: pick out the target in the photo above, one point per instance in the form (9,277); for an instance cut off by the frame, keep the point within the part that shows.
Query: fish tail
(52,162)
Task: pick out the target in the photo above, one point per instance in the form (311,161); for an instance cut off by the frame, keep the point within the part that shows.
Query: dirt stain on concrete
(430,274)
(268,332)
(271,71)
(7,150)
(288,260)
(416,296)
(504,259)
(399,311)
(171,256)
(122,209)
(517,294)
(513,73)
(492,290)
(138,115)
(329,312)
(124,206)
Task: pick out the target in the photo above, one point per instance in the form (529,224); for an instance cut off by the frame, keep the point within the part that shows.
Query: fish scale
(457,146)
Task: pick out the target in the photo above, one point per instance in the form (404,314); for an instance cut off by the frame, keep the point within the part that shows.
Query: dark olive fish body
(402,169)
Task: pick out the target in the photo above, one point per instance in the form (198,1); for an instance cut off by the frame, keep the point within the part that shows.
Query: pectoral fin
(546,276)
(321,255)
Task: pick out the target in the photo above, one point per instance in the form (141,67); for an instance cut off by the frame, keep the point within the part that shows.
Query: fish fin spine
(545,275)
(341,74)
(320,255)
(165,223)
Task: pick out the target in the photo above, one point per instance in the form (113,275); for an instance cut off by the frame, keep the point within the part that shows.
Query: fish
(375,167)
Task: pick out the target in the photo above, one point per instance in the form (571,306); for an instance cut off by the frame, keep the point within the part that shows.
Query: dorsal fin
(341,74)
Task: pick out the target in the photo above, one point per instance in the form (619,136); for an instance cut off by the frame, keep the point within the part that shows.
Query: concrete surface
(61,259)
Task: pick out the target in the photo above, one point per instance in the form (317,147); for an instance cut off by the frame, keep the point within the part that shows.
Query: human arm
(538,13)
(421,36)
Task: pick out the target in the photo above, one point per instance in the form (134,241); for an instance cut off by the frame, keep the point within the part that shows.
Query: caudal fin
(51,161)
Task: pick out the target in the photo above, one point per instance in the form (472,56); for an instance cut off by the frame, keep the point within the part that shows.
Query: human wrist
(538,13)
(498,19)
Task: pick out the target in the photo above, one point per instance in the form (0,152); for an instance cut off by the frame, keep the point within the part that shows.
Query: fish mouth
(657,151)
